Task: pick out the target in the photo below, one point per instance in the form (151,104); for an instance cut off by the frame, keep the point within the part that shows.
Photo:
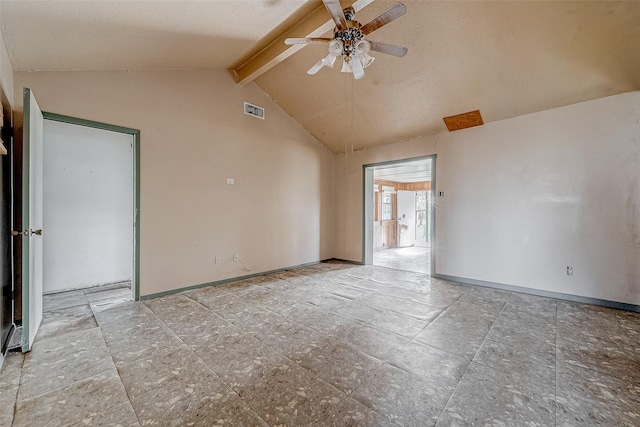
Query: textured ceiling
(503,58)
(135,34)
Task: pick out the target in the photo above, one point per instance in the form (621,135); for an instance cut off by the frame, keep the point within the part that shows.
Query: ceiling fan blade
(360,4)
(358,69)
(394,12)
(334,8)
(389,49)
(313,70)
(306,40)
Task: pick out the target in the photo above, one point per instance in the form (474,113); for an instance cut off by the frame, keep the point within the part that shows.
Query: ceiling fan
(348,42)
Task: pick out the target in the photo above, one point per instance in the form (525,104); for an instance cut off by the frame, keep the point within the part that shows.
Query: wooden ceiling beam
(317,23)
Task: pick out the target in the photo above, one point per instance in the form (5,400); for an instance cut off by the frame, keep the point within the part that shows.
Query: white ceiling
(413,171)
(503,58)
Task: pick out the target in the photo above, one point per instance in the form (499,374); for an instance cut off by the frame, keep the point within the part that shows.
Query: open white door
(33,124)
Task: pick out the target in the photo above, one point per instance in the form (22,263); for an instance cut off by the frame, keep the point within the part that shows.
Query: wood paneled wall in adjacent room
(408,186)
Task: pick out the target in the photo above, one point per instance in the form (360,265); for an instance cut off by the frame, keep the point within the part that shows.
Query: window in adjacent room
(386,206)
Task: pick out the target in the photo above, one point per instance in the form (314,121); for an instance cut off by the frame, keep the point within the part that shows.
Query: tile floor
(328,345)
(414,258)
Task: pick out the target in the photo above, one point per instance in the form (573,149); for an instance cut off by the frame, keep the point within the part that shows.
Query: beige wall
(194,135)
(527,197)
(348,184)
(6,71)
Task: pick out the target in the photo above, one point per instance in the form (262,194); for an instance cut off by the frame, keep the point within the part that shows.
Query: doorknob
(25,233)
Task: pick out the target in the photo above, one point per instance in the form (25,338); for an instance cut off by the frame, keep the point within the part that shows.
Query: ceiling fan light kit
(348,42)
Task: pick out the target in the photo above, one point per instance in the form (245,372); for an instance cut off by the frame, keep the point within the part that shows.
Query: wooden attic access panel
(463,121)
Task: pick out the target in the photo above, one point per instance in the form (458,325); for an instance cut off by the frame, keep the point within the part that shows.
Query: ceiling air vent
(254,110)
(463,121)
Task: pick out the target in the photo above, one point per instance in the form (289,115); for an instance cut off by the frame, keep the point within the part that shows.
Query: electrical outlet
(218,260)
(569,270)
(236,257)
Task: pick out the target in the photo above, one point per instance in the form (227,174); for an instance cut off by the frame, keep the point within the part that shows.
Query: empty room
(320,212)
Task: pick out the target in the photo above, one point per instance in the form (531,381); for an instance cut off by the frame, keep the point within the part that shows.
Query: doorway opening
(88,214)
(80,212)
(398,215)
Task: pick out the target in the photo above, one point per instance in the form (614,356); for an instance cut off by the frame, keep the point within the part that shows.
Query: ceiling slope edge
(315,24)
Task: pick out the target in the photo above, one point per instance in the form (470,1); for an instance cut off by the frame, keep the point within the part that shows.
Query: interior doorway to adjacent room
(79,209)
(88,208)
(398,214)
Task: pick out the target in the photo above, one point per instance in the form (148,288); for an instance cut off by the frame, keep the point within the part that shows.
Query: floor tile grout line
(199,303)
(444,408)
(61,387)
(15,403)
(347,394)
(50,310)
(533,350)
(355,328)
(493,322)
(58,389)
(485,340)
(185,344)
(351,394)
(411,340)
(212,370)
(118,372)
(443,311)
(387,362)
(403,299)
(380,328)
(318,377)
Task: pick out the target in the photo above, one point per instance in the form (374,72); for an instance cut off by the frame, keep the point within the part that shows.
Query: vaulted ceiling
(503,58)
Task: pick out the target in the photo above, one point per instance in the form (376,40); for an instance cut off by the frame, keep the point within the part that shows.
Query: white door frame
(367,208)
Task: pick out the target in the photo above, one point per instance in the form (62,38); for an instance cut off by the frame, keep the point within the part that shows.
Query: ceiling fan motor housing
(351,35)
(349,13)
(348,42)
